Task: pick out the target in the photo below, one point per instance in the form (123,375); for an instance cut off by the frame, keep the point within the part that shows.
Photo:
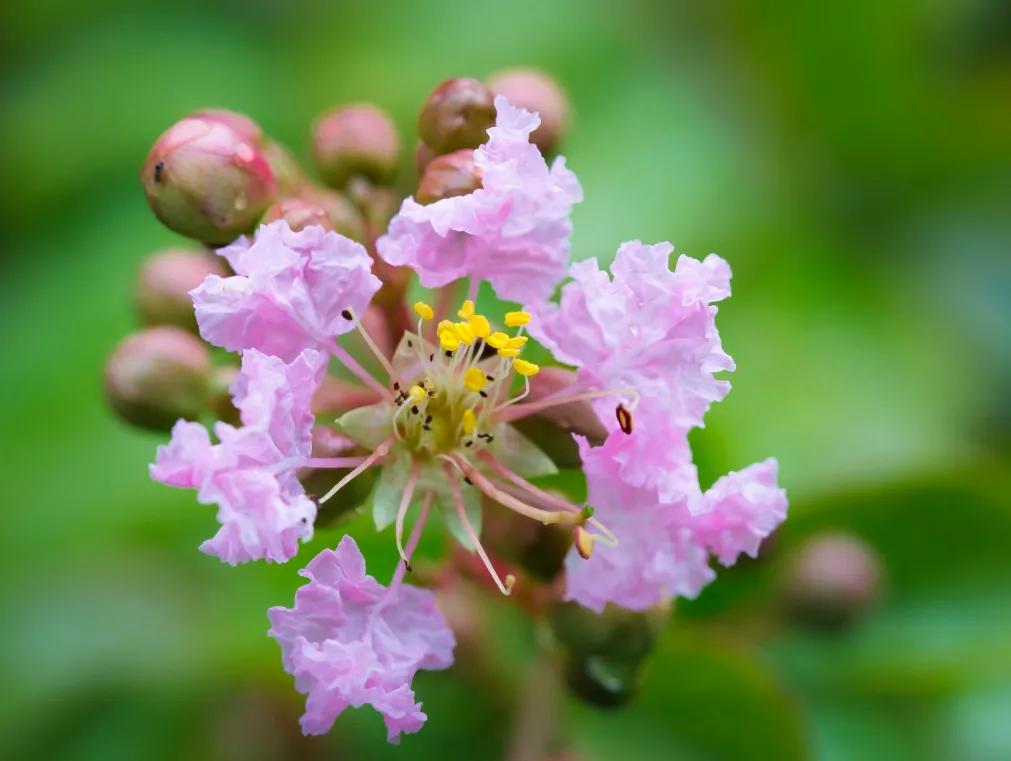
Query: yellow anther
(474,379)
(526,369)
(467,310)
(480,325)
(507,352)
(516,319)
(517,342)
(469,421)
(417,393)
(464,333)
(424,310)
(448,340)
(497,340)
(444,325)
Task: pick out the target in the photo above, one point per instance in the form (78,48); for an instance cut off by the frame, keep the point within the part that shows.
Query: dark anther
(468,480)
(426,427)
(159,171)
(431,356)
(396,386)
(468,443)
(408,567)
(410,345)
(489,378)
(484,394)
(414,409)
(624,418)
(428,419)
(346,314)
(449,353)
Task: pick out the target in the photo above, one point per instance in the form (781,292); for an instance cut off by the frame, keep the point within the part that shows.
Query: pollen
(517,319)
(526,369)
(497,340)
(507,352)
(468,421)
(448,340)
(417,393)
(517,342)
(480,325)
(464,333)
(474,379)
(466,311)
(423,310)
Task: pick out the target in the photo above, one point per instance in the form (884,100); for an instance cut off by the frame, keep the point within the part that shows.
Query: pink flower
(513,231)
(291,291)
(250,473)
(349,641)
(649,334)
(663,549)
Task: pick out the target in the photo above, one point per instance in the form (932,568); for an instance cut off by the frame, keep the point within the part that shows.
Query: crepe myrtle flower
(513,231)
(438,426)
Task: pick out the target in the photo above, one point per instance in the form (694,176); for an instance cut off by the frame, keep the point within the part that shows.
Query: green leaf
(389,489)
(520,455)
(369,426)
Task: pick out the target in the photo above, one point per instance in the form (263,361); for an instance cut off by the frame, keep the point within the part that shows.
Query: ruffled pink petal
(513,231)
(289,292)
(349,641)
(185,461)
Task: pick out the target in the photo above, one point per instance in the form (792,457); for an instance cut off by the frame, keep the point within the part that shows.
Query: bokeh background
(851,160)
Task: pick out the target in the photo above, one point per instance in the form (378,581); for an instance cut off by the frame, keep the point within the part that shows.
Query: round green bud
(355,141)
(165,280)
(457,115)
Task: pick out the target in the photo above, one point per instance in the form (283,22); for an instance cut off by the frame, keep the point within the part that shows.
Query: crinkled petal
(187,458)
(289,293)
(349,641)
(514,231)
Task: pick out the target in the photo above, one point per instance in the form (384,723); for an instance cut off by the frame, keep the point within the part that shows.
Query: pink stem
(545,497)
(454,485)
(363,375)
(333,462)
(412,541)
(380,452)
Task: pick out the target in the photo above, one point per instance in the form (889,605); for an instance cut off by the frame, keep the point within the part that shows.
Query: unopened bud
(239,123)
(457,115)
(343,214)
(832,580)
(290,176)
(422,155)
(356,140)
(208,180)
(535,91)
(454,174)
(158,375)
(164,283)
(603,652)
(299,214)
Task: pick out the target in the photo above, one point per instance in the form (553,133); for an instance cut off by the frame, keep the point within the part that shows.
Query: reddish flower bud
(344,215)
(299,214)
(291,178)
(457,115)
(205,178)
(356,140)
(239,123)
(535,91)
(164,283)
(157,376)
(832,580)
(454,174)
(422,155)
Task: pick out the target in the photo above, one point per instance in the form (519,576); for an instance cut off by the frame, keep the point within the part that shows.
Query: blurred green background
(852,161)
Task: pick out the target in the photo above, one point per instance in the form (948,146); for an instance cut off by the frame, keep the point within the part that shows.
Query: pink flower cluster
(513,231)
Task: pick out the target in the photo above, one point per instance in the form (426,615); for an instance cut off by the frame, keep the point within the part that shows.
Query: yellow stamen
(526,369)
(517,319)
(417,393)
(480,325)
(467,310)
(517,342)
(508,352)
(424,310)
(444,325)
(464,333)
(497,340)
(448,340)
(583,542)
(469,421)
(474,379)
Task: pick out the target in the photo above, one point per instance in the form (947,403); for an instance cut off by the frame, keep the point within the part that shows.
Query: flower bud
(239,123)
(205,178)
(291,178)
(158,375)
(356,140)
(343,214)
(831,580)
(454,174)
(299,214)
(422,155)
(535,91)
(164,283)
(603,653)
(457,115)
